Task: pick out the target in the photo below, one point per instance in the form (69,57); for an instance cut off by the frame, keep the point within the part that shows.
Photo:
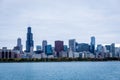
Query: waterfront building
(117,52)
(44,44)
(48,50)
(65,48)
(72,45)
(29,41)
(8,53)
(19,44)
(92,45)
(59,46)
(83,47)
(38,48)
(108,48)
(70,53)
(113,49)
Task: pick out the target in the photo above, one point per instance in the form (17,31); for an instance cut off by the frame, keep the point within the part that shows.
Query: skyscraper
(19,44)
(113,49)
(38,48)
(48,50)
(108,48)
(72,44)
(83,47)
(44,44)
(92,45)
(65,48)
(29,41)
(59,46)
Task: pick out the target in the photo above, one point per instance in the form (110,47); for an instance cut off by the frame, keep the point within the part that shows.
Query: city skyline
(59,20)
(72,43)
(74,49)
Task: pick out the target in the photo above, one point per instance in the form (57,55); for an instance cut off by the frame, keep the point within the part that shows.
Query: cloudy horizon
(59,20)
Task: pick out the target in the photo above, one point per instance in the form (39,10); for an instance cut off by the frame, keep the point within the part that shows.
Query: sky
(59,20)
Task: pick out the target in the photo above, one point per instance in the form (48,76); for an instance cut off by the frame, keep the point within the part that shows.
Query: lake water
(60,71)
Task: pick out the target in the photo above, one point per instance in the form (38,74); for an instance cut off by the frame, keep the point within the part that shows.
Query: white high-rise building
(19,44)
(70,53)
(44,43)
(72,45)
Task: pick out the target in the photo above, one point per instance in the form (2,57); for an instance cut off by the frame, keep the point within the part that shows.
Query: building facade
(29,41)
(19,44)
(113,49)
(44,44)
(72,44)
(83,47)
(92,45)
(59,46)
(9,54)
(48,50)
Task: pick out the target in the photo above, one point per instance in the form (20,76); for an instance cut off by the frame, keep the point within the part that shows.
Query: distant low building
(76,54)
(9,54)
(86,54)
(70,53)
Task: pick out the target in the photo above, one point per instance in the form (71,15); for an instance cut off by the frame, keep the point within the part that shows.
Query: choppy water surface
(60,71)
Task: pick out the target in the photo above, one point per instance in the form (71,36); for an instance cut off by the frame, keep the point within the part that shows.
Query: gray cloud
(60,19)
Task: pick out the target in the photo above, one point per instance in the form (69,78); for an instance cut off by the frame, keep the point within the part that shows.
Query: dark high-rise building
(59,46)
(44,44)
(108,47)
(38,48)
(83,47)
(92,45)
(29,41)
(48,50)
(19,44)
(65,48)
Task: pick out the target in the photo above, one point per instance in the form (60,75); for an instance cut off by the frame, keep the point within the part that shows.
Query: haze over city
(59,20)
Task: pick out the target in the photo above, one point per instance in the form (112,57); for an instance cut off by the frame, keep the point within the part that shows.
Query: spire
(29,29)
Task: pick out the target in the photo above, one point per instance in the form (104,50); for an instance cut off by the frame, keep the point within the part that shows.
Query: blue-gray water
(60,71)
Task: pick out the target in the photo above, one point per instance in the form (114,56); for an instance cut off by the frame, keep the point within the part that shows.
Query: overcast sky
(60,20)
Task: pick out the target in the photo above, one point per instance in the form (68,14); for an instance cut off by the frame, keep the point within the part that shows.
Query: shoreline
(58,60)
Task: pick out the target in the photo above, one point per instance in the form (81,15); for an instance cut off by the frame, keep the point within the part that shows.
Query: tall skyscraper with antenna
(29,41)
